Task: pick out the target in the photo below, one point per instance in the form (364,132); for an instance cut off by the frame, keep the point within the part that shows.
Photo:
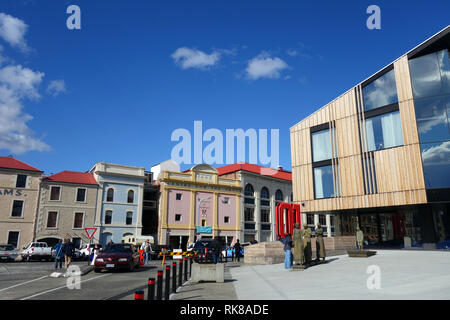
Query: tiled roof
(73,177)
(254,168)
(12,163)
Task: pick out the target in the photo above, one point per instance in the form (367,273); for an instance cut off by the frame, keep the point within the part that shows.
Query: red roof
(73,177)
(11,163)
(254,168)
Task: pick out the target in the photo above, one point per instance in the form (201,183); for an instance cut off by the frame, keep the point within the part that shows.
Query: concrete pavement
(404,274)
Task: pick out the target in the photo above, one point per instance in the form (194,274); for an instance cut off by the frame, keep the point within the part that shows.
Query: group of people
(63,250)
(299,247)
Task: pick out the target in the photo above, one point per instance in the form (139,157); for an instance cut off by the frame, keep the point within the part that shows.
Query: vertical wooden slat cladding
(397,172)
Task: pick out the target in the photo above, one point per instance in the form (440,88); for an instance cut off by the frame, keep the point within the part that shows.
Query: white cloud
(17,84)
(13,30)
(263,66)
(56,87)
(192,58)
(292,52)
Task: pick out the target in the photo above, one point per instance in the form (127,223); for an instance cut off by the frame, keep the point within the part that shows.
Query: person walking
(68,252)
(146,247)
(59,254)
(287,252)
(237,250)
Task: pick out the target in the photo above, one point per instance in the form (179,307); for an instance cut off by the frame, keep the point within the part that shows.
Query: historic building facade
(19,195)
(379,155)
(119,201)
(67,205)
(198,204)
(262,189)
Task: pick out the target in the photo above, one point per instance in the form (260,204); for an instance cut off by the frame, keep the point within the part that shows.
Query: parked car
(8,253)
(36,251)
(117,256)
(86,250)
(204,249)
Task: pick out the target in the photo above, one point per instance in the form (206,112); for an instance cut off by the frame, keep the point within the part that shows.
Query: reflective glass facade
(381,92)
(430,78)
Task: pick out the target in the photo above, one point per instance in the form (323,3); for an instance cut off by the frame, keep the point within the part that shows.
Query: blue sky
(115,90)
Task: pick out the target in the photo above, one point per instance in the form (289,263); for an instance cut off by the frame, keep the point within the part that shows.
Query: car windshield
(6,247)
(118,248)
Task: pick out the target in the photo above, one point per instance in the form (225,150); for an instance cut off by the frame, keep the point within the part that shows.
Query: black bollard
(174,277)
(191,258)
(159,285)
(151,289)
(139,295)
(180,275)
(167,289)
(185,268)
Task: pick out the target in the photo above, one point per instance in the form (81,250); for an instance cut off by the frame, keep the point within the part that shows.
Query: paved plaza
(403,275)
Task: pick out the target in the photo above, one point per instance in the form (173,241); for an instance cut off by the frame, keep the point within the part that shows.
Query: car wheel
(28,259)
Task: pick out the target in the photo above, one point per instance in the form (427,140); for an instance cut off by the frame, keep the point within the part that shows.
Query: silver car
(8,253)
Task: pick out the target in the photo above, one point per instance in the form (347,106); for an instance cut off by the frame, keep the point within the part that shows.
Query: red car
(117,256)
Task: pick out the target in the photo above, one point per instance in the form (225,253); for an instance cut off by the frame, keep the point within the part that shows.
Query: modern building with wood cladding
(378,156)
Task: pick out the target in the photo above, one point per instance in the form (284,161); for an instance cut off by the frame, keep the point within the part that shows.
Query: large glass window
(384,131)
(323,182)
(436,164)
(321,144)
(430,75)
(432,123)
(381,92)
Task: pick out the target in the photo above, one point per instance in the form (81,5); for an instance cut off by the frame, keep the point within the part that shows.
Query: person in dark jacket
(68,252)
(287,252)
(237,250)
(59,254)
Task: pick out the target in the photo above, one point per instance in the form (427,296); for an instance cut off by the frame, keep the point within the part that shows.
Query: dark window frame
(23,184)
(55,226)
(13,209)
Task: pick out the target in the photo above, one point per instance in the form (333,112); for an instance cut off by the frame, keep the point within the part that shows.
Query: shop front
(424,226)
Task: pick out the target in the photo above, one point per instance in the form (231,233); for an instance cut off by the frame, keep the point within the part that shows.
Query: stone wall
(273,253)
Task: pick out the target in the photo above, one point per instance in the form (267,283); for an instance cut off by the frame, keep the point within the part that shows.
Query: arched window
(265,193)
(108,217)
(279,195)
(110,195)
(130,196)
(249,191)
